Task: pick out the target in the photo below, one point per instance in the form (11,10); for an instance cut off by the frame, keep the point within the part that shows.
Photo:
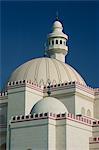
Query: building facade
(47,104)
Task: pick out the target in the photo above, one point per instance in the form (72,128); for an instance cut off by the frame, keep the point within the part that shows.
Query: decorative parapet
(85,88)
(66,84)
(96,123)
(23,83)
(96,91)
(80,119)
(3,94)
(29,82)
(53,116)
(53,87)
(17,83)
(29,117)
(93,140)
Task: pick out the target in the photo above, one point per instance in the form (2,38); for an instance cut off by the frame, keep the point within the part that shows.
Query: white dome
(49,104)
(57,31)
(57,24)
(45,70)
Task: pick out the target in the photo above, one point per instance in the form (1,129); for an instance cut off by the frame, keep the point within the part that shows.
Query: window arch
(56,41)
(83,111)
(52,42)
(60,41)
(89,113)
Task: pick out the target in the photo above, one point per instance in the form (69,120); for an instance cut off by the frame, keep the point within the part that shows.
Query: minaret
(56,47)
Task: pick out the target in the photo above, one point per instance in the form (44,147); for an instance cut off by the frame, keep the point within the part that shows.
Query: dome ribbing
(45,70)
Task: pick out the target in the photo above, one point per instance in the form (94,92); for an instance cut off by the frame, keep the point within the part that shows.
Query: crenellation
(96,123)
(52,86)
(79,118)
(4,93)
(93,139)
(29,117)
(23,82)
(19,82)
(52,116)
(96,91)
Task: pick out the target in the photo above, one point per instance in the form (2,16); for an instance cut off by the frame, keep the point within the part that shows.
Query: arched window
(56,41)
(89,113)
(60,41)
(64,43)
(52,42)
(83,111)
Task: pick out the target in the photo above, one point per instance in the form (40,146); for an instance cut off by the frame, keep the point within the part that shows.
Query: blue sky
(26,24)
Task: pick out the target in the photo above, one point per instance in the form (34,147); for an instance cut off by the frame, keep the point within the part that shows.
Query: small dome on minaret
(56,47)
(57,25)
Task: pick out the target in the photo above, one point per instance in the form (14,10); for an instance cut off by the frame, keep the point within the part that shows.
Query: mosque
(47,104)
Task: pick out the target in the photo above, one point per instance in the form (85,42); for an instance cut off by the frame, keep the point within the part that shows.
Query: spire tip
(57,16)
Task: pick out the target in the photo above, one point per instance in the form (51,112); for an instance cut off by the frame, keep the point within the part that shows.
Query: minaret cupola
(56,47)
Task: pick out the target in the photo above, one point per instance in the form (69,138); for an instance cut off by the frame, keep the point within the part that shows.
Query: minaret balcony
(58,48)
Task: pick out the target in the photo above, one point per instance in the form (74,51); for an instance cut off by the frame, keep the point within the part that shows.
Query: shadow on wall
(3,146)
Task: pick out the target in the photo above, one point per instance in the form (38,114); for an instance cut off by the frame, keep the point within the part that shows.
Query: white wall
(16,102)
(77,136)
(21,100)
(95,131)
(51,135)
(75,99)
(94,146)
(61,135)
(16,105)
(32,134)
(68,101)
(81,102)
(31,97)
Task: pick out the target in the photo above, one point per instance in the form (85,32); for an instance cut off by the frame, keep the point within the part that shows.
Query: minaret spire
(57,16)
(56,46)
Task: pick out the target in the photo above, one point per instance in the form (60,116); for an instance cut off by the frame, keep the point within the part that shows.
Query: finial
(49,92)
(57,15)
